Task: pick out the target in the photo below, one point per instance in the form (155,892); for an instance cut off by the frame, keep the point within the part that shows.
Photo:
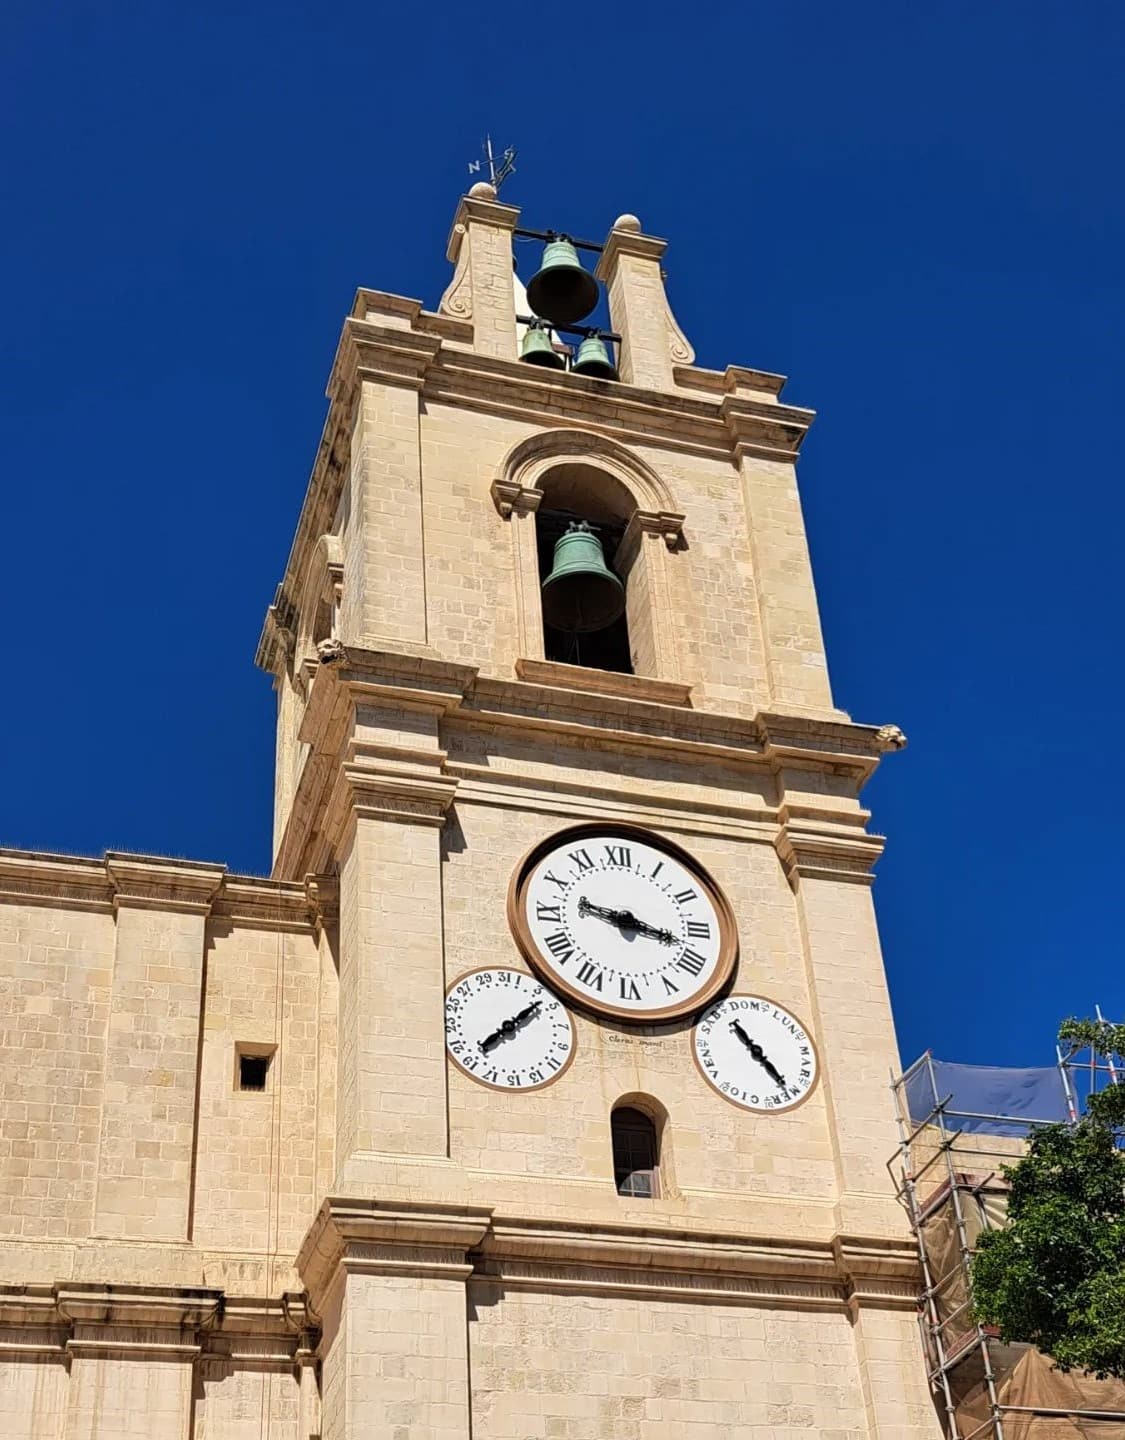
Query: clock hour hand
(625,920)
(509,1027)
(758,1053)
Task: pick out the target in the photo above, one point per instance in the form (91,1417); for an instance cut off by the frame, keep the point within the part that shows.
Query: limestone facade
(371,1244)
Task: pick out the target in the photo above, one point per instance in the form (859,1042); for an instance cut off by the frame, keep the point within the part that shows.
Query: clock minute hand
(625,920)
(758,1053)
(509,1027)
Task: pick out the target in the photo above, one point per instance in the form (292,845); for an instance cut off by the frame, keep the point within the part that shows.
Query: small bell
(537,349)
(581,593)
(561,291)
(593,359)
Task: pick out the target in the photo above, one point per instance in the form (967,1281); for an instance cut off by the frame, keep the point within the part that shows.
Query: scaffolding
(949,1176)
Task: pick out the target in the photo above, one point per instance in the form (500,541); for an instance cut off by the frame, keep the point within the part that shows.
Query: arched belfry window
(636,1153)
(581,494)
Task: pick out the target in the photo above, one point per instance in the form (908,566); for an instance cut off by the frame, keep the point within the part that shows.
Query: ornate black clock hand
(758,1053)
(625,920)
(509,1027)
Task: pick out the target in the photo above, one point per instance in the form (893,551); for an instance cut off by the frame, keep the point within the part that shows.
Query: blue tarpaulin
(989,1091)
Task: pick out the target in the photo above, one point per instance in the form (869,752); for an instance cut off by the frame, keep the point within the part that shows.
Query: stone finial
(628,222)
(482,190)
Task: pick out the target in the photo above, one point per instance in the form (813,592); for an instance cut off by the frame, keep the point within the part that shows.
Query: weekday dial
(505,1029)
(755,1054)
(624,923)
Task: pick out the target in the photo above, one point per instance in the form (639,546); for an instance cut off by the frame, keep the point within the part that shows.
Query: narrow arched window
(636,1154)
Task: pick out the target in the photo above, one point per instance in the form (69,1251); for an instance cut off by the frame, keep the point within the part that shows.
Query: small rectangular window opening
(253,1071)
(635,1158)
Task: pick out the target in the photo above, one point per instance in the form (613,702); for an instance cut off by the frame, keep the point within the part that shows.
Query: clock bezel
(488,1084)
(738,1105)
(517,923)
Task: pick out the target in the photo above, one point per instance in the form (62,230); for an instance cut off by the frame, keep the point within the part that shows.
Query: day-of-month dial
(623,922)
(755,1053)
(507,1030)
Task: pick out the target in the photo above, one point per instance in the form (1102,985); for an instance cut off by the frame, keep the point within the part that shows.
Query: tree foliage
(1054,1277)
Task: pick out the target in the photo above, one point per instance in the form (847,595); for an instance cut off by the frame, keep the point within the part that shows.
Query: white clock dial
(507,1030)
(755,1054)
(623,923)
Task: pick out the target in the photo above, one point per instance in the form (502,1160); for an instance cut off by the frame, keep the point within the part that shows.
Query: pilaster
(652,343)
(390,1285)
(480,247)
(829,866)
(152,1048)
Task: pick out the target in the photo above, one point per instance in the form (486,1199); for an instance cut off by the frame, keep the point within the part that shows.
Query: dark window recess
(636,1159)
(252,1071)
(606,649)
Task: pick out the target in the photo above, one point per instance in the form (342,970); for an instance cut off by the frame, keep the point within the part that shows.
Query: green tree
(1054,1277)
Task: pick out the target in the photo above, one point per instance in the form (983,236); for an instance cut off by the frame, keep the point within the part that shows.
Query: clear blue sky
(914,211)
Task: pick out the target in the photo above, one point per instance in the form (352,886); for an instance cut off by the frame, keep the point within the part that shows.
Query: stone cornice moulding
(603,682)
(322,893)
(473,1244)
(145,882)
(370,1236)
(668,524)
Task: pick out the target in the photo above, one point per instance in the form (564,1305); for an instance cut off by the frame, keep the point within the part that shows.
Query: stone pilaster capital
(821,850)
(621,241)
(144,883)
(372,1237)
(510,497)
(478,210)
(137,1321)
(323,895)
(883,1273)
(668,524)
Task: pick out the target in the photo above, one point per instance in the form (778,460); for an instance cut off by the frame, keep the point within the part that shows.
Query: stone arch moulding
(517,492)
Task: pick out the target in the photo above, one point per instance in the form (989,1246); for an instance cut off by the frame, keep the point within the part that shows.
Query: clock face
(755,1054)
(506,1030)
(623,922)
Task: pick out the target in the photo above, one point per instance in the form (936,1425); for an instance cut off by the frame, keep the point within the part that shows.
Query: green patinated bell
(561,291)
(537,349)
(593,359)
(581,593)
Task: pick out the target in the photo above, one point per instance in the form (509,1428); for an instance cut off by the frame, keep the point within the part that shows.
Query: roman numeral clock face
(623,923)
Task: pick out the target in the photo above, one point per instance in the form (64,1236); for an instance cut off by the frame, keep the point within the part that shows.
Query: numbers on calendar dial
(505,1029)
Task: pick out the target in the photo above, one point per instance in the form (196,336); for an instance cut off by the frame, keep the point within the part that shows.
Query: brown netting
(1027,1379)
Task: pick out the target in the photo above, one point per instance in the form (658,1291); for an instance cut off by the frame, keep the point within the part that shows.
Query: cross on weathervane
(497,172)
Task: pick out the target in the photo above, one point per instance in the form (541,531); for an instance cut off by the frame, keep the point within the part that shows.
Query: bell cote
(464,444)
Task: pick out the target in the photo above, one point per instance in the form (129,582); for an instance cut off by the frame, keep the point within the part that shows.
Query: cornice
(146,882)
(99,1321)
(372,1237)
(603,682)
(476,1245)
(810,849)
(263,904)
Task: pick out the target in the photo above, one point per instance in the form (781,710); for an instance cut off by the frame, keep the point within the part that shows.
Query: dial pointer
(758,1053)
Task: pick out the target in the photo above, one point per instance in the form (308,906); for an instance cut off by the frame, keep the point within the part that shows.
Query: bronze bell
(537,349)
(581,593)
(593,359)
(560,290)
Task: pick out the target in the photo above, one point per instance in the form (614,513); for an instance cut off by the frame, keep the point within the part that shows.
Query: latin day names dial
(755,1054)
(623,923)
(506,1030)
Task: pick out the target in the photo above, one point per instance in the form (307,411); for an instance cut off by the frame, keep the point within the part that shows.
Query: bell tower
(558,757)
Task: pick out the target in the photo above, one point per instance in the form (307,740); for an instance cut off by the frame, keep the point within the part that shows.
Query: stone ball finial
(627,222)
(482,190)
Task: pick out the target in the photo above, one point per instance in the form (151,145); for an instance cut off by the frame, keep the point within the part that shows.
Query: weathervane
(497,173)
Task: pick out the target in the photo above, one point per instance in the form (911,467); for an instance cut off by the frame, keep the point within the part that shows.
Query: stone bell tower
(642,1234)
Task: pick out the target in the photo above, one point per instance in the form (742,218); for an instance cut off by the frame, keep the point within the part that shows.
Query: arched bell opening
(573,586)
